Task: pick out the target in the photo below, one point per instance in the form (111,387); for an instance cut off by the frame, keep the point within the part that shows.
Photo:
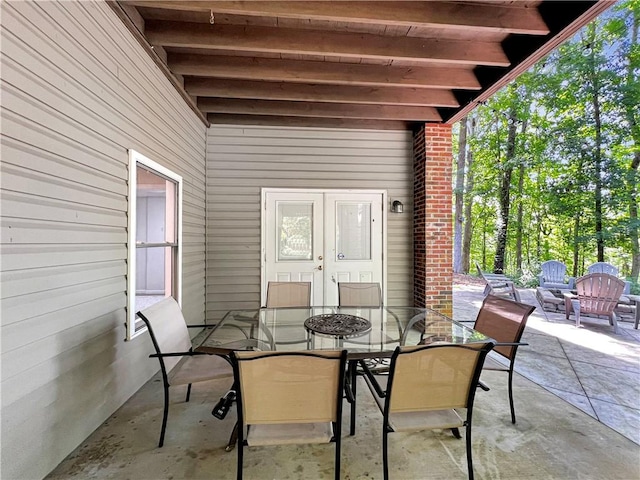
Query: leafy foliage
(572,168)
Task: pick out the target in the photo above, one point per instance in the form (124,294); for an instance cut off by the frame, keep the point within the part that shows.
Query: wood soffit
(361,64)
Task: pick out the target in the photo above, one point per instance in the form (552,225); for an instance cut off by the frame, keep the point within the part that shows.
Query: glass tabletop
(363,332)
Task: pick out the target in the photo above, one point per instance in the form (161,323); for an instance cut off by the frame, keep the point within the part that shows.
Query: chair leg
(456,432)
(354,379)
(385,457)
(240,454)
(165,414)
(469,453)
(511,406)
(188,393)
(614,321)
(576,309)
(337,462)
(233,439)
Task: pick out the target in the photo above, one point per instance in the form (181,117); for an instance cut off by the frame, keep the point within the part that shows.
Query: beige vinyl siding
(243,159)
(78,91)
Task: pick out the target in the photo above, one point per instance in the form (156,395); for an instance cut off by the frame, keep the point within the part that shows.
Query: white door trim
(263,220)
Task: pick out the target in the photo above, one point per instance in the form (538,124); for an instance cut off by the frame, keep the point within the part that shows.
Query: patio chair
(604,267)
(425,386)
(289,398)
(554,276)
(366,295)
(597,294)
(498,284)
(363,294)
(503,320)
(288,294)
(179,364)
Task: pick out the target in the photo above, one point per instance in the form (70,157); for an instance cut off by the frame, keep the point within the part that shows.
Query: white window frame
(134,325)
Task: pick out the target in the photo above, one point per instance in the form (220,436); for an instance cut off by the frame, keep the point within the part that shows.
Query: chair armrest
(511,344)
(176,354)
(372,378)
(541,280)
(572,283)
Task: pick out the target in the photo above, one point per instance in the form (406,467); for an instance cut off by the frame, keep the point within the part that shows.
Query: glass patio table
(366,333)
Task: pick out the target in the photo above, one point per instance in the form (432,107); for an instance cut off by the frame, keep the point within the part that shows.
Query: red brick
(433,166)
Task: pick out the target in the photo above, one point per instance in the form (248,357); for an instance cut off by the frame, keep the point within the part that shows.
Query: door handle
(319,267)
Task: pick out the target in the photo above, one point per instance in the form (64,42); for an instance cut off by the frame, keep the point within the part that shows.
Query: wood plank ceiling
(377,64)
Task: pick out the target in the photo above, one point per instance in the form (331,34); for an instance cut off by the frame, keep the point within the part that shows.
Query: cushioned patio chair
(553,275)
(288,294)
(289,398)
(503,320)
(179,364)
(364,294)
(425,387)
(597,294)
(604,267)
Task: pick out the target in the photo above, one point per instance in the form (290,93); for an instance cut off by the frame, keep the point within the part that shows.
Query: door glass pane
(295,231)
(353,231)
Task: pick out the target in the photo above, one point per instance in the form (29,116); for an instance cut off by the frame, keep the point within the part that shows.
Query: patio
(90,88)
(593,434)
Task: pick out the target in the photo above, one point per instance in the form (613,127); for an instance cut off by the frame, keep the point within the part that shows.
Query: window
(155,237)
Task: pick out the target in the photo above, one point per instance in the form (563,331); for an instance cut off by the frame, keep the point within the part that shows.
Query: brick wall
(432,217)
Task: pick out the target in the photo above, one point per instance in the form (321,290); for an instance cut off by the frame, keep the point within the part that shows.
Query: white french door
(322,237)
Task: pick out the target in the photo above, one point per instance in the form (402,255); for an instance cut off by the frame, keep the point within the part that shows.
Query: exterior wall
(242,159)
(77,92)
(432,228)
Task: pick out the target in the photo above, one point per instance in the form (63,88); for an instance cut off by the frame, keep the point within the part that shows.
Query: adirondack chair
(604,267)
(597,294)
(498,284)
(554,275)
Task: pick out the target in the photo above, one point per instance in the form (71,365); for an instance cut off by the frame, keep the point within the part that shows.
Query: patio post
(432,221)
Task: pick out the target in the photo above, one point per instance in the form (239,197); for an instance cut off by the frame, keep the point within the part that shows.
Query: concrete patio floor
(577,402)
(590,367)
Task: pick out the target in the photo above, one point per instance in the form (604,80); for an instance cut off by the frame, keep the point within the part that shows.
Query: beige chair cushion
(414,421)
(199,368)
(288,294)
(359,294)
(289,433)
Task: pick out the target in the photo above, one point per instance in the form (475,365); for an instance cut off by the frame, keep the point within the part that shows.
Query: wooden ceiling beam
(434,14)
(315,109)
(329,44)
(304,71)
(206,87)
(230,119)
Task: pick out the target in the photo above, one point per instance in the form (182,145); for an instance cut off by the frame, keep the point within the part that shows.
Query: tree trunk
(504,196)
(459,196)
(484,243)
(597,151)
(632,173)
(519,220)
(576,244)
(468,206)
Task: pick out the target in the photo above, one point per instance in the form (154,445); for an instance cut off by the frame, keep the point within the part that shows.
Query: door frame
(263,230)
